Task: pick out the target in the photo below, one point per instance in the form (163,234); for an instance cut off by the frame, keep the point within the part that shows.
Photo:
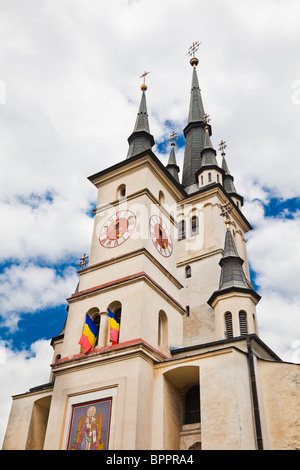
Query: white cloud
(19,371)
(274,255)
(28,288)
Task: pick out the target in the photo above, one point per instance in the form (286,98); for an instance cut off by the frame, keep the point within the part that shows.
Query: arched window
(201,180)
(209,177)
(243,323)
(121,191)
(188,271)
(228,325)
(192,405)
(194,225)
(218,178)
(181,230)
(116,309)
(162,329)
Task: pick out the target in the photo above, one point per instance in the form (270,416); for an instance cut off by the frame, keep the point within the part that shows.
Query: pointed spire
(232,273)
(141,139)
(194,132)
(172,166)
(232,276)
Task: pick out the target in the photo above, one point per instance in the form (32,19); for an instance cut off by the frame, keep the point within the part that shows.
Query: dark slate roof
(228,178)
(140,139)
(232,273)
(172,166)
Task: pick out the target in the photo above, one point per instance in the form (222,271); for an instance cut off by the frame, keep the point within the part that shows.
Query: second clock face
(117,229)
(161,236)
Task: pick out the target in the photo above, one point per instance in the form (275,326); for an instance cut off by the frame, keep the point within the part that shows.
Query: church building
(160,349)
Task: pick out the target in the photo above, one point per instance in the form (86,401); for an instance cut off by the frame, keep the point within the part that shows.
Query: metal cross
(206,118)
(144,76)
(83,261)
(222,147)
(194,47)
(173,137)
(225,211)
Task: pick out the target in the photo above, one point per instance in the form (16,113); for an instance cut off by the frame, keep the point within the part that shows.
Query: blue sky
(67,107)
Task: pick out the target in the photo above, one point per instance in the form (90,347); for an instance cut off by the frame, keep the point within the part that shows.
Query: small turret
(172,166)
(141,139)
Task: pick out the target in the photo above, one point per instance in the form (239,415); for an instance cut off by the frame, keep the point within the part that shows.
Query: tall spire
(172,166)
(194,132)
(141,139)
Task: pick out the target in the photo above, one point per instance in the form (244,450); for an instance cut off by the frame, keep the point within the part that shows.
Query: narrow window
(181,230)
(187,308)
(162,329)
(209,177)
(161,197)
(243,323)
(192,405)
(188,271)
(201,180)
(228,325)
(218,178)
(194,225)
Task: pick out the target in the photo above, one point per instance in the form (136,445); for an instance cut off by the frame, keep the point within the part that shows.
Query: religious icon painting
(90,425)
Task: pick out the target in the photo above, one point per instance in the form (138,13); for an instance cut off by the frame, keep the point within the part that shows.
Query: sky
(69,94)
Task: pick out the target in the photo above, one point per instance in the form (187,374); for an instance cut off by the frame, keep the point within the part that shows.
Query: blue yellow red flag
(89,334)
(114,327)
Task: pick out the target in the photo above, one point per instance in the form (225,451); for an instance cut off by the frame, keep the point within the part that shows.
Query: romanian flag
(114,327)
(89,335)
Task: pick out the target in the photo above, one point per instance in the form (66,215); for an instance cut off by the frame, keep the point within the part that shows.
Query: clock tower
(160,349)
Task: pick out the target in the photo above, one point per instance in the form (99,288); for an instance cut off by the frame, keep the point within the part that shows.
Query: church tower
(160,349)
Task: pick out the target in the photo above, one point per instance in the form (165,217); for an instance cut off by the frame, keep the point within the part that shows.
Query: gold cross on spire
(144,86)
(222,147)
(83,261)
(194,47)
(206,120)
(191,52)
(225,211)
(173,137)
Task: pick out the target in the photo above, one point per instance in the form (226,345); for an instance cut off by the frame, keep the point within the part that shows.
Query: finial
(222,147)
(173,137)
(83,261)
(191,52)
(144,86)
(225,211)
(206,120)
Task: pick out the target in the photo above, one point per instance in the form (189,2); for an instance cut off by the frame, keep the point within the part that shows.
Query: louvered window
(194,226)
(181,230)
(243,323)
(228,325)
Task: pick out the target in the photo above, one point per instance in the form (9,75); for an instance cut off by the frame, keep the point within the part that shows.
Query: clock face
(117,229)
(161,236)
